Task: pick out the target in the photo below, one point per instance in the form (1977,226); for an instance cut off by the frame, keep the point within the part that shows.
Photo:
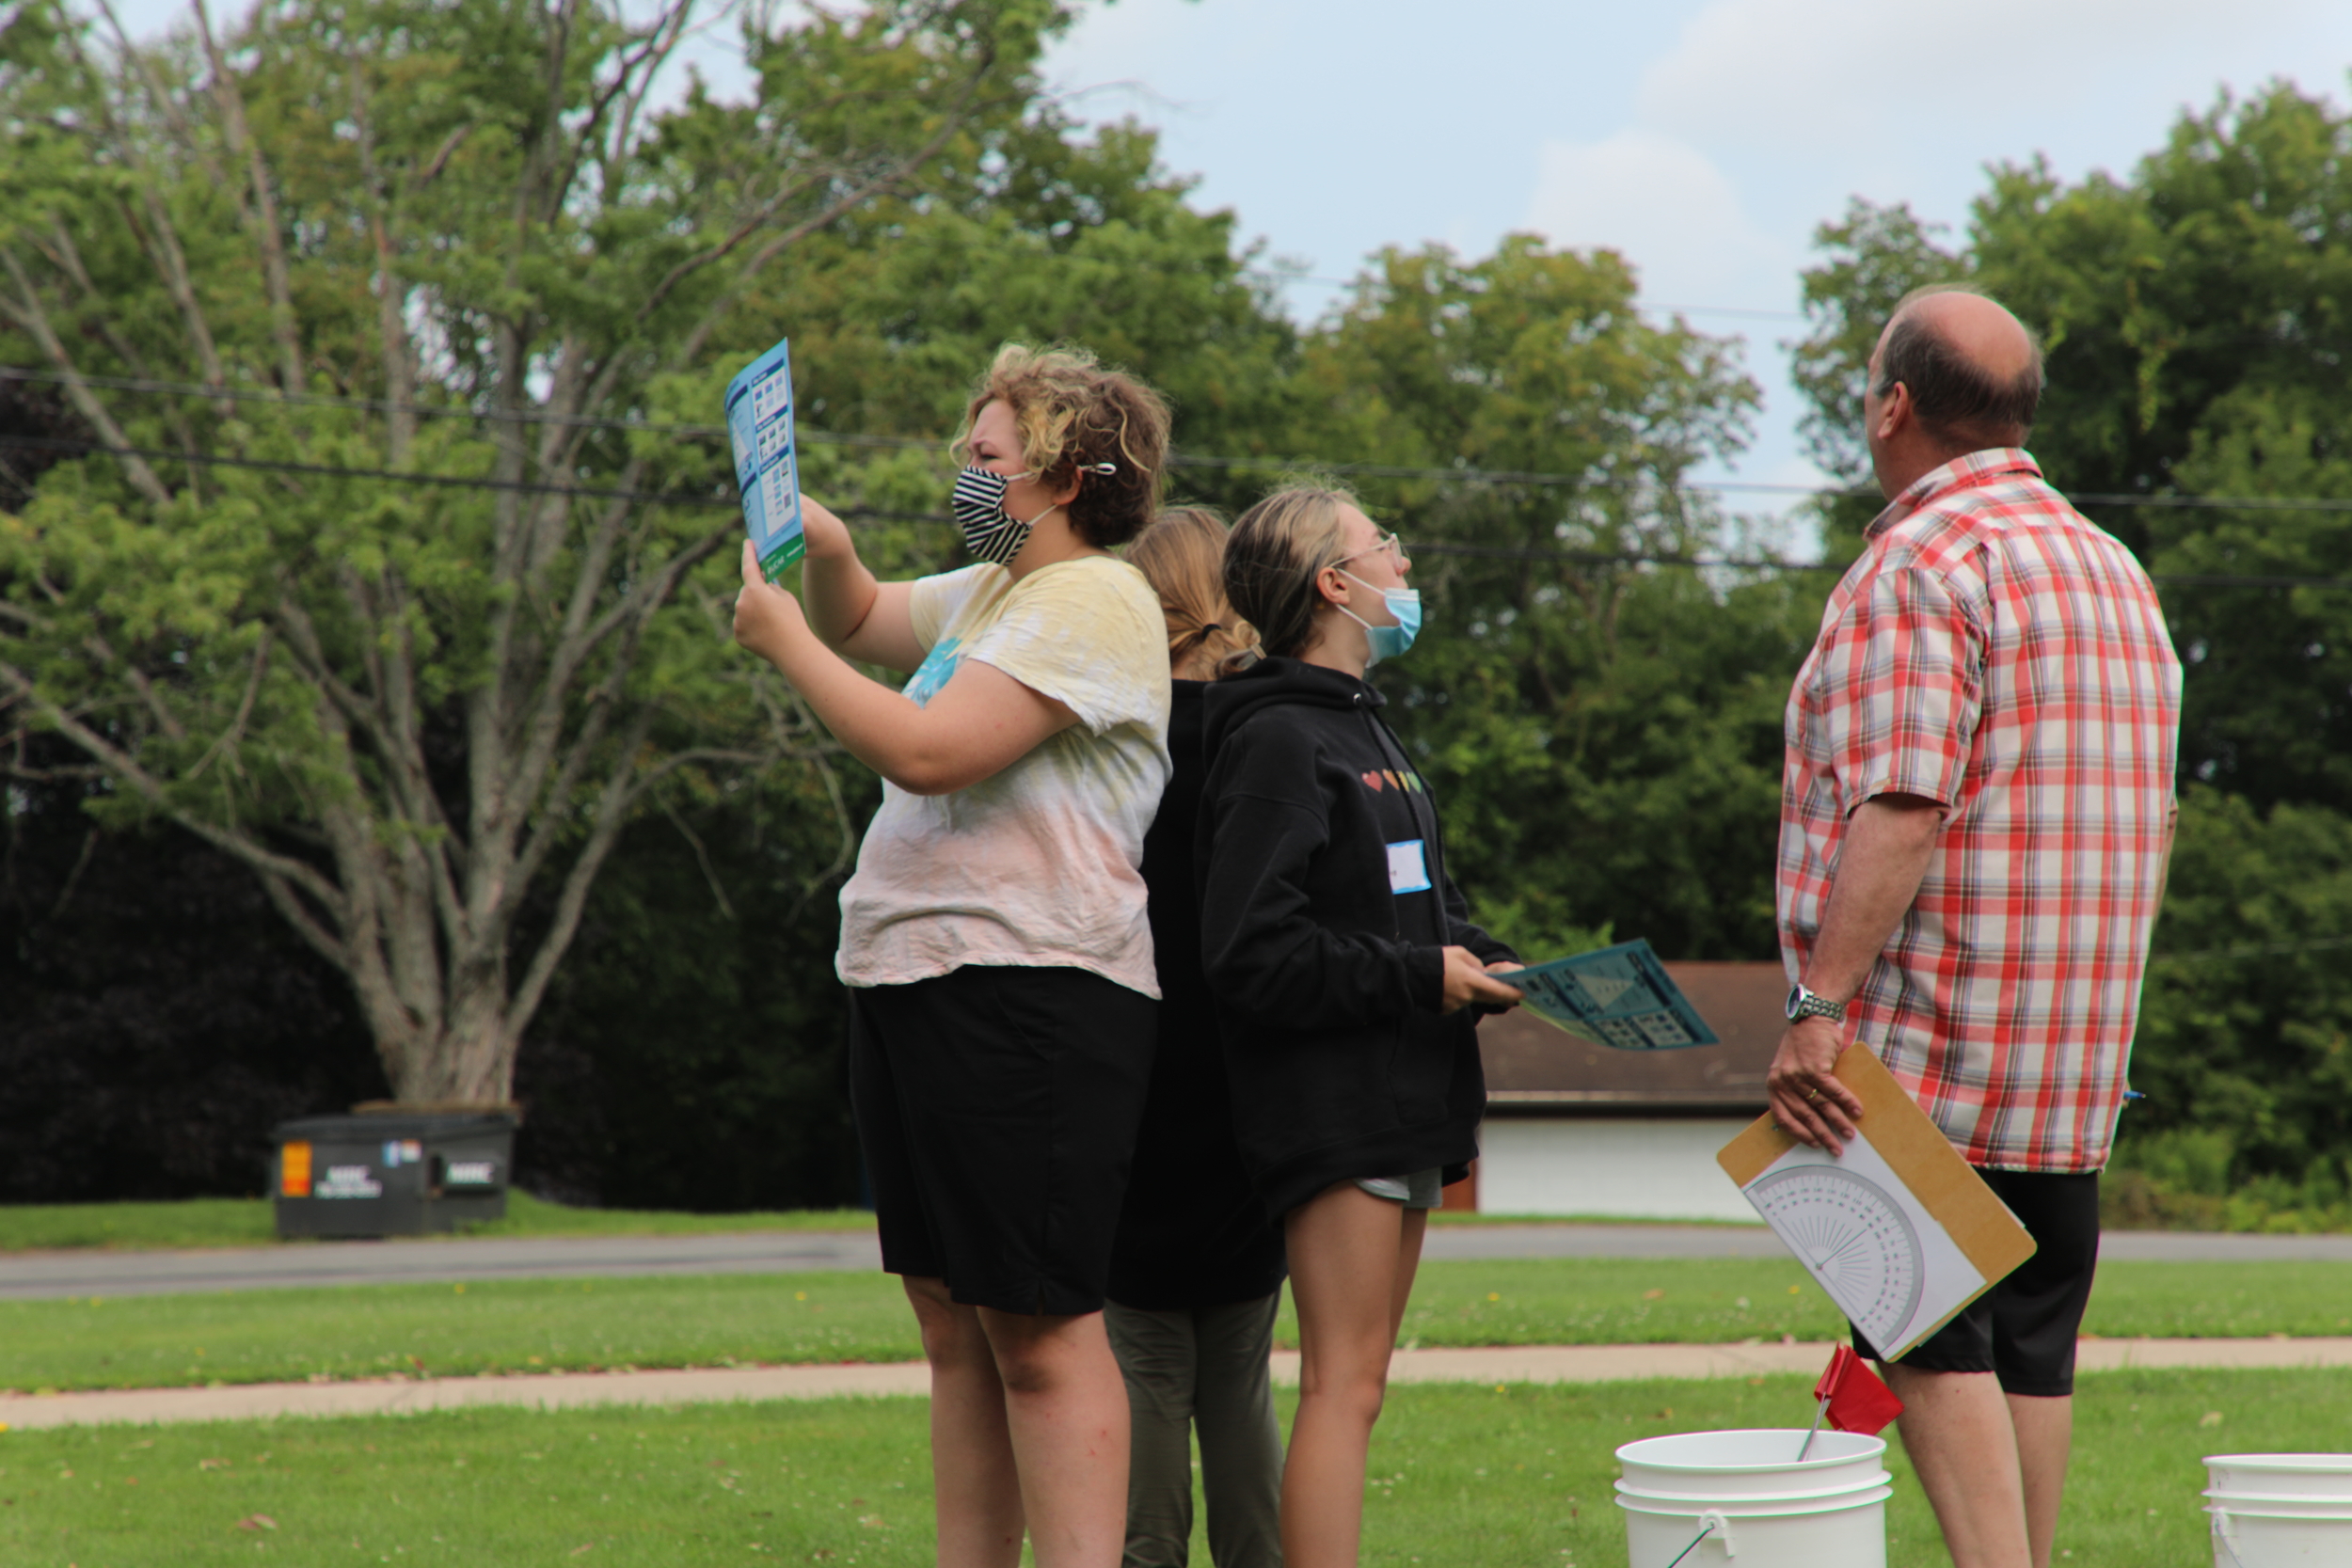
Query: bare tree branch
(225,743)
(27,313)
(950,122)
(393,352)
(264,226)
(166,103)
(621,791)
(149,788)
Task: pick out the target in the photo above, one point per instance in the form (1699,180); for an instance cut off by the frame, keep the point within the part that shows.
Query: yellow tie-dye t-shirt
(1036,866)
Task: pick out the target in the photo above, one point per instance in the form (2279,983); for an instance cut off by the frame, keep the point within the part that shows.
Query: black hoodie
(1324,906)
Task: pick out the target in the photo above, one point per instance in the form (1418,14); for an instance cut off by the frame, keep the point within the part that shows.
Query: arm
(1888,843)
(850,611)
(981,721)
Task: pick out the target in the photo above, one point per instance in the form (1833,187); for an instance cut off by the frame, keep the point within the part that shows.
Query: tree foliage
(1604,733)
(414,658)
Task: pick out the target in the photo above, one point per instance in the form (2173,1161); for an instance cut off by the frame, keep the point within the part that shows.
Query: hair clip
(1098,467)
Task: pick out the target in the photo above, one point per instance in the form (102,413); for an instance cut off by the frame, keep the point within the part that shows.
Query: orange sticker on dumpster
(294,1171)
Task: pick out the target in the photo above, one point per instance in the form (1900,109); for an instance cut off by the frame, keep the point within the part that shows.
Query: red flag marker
(1852,1398)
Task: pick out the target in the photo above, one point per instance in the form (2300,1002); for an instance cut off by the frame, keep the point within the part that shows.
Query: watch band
(1804,1003)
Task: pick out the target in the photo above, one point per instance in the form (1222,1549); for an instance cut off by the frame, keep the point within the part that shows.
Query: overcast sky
(1702,138)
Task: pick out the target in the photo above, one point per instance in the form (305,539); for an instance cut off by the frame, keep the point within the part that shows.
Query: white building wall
(1627,1167)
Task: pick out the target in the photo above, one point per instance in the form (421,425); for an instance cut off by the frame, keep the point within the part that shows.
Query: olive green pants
(1203,1366)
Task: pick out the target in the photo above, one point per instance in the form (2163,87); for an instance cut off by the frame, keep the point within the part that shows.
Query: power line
(448,481)
(1540,478)
(709,499)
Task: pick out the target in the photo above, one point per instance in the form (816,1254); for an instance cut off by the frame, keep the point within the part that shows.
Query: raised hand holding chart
(1897,1229)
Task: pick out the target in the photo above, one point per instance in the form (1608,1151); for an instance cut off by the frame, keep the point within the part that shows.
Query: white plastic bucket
(1749,1502)
(2280,1510)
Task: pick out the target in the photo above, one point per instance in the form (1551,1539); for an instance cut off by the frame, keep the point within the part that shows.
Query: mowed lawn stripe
(720,1320)
(1458,1476)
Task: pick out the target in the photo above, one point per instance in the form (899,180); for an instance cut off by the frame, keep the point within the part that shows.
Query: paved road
(29,1274)
(25,1274)
(1501,1364)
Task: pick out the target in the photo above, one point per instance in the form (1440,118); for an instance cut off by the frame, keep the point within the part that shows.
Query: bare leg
(977,1491)
(2045,1439)
(1066,1409)
(1351,1269)
(1956,1429)
(1407,1266)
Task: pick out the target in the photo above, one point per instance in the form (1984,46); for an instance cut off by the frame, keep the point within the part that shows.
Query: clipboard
(1828,1211)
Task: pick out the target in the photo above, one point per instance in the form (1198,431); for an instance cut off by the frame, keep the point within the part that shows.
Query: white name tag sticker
(1408,868)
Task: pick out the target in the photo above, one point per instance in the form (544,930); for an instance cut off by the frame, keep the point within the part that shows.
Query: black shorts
(2023,1328)
(997,1107)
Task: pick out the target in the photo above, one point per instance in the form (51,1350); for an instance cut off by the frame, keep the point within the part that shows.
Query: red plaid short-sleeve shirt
(1996,652)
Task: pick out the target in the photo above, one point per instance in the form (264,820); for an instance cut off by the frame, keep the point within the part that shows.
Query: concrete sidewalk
(1504,1364)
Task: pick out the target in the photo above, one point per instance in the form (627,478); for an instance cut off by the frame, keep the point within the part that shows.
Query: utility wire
(1179,460)
(447,481)
(709,500)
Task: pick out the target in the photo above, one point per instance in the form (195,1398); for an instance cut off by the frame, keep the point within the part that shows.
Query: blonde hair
(1181,555)
(1071,414)
(1277,550)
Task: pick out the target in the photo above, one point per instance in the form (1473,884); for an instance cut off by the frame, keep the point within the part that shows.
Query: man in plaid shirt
(1977,808)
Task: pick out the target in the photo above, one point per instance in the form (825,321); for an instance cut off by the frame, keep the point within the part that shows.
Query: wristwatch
(1804,1003)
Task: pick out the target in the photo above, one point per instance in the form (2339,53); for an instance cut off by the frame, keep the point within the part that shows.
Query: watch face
(1796,1000)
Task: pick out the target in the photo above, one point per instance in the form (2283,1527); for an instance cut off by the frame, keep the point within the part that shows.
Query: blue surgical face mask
(1387,641)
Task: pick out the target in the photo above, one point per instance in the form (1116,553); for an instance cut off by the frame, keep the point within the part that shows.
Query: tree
(1604,732)
(2246,1030)
(160,1015)
(2197,318)
(399,611)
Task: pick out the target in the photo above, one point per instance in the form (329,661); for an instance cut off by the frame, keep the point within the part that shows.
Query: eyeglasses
(1388,542)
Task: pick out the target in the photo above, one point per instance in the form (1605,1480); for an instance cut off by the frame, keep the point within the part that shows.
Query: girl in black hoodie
(1345,971)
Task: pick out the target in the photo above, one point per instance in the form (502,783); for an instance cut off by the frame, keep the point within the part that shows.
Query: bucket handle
(2225,1535)
(1712,1523)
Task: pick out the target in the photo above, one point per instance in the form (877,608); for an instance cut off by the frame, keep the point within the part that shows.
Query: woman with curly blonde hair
(994,935)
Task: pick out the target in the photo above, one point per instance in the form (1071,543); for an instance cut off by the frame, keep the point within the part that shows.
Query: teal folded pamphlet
(766,469)
(1618,997)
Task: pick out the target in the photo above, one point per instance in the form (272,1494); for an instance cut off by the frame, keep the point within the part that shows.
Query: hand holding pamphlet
(766,469)
(1618,997)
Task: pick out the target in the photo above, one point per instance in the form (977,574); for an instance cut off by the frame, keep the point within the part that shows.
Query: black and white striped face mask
(988,532)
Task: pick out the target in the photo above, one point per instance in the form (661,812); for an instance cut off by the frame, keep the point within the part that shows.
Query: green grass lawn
(1474,1477)
(208,1222)
(576,1324)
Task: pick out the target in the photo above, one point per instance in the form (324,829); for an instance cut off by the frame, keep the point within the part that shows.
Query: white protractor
(1856,1241)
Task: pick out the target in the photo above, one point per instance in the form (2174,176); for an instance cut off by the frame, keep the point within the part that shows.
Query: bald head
(1973,372)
